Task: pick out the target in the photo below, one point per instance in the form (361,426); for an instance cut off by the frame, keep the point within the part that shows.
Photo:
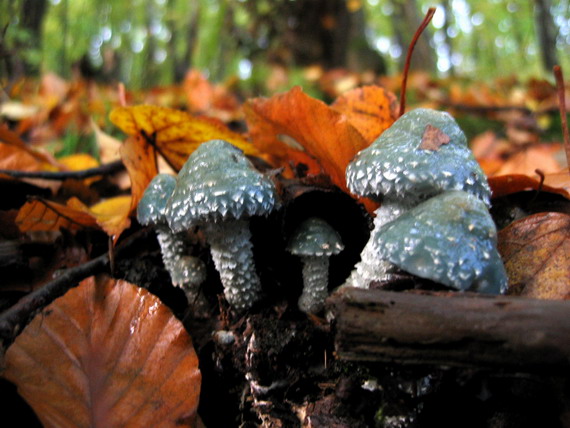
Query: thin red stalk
(562,105)
(419,31)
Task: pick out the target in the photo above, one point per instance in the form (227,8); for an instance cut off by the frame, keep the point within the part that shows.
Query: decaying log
(455,329)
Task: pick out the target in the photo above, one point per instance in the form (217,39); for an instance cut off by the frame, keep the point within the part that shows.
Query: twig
(109,168)
(14,319)
(419,31)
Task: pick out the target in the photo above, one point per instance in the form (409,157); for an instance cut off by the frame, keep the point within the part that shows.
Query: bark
(455,329)
(32,15)
(546,30)
(446,28)
(324,32)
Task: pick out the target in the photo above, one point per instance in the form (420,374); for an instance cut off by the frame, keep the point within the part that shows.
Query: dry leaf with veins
(106,354)
(536,254)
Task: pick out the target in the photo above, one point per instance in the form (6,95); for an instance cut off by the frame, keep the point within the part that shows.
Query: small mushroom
(185,271)
(450,239)
(422,154)
(314,241)
(218,189)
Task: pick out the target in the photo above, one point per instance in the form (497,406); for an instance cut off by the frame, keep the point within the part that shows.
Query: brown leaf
(536,253)
(433,138)
(106,354)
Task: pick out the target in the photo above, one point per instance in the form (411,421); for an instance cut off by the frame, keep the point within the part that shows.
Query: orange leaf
(536,253)
(139,159)
(111,215)
(106,354)
(205,98)
(16,155)
(295,127)
(526,161)
(506,184)
(43,215)
(370,109)
(173,133)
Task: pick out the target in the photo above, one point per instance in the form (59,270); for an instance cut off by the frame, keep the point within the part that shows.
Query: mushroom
(185,271)
(450,239)
(314,241)
(422,154)
(218,189)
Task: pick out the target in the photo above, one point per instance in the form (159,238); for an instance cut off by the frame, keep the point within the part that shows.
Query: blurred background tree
(146,43)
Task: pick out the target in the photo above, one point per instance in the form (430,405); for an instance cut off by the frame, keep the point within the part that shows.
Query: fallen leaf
(433,138)
(204,97)
(139,159)
(78,162)
(293,127)
(526,161)
(44,215)
(503,185)
(15,154)
(173,133)
(370,109)
(108,146)
(112,215)
(106,354)
(536,253)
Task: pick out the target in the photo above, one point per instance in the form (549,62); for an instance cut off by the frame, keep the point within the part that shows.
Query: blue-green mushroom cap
(396,164)
(315,237)
(151,207)
(217,183)
(450,239)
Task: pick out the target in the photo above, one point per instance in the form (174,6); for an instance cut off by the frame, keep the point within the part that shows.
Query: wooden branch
(455,329)
(14,319)
(109,168)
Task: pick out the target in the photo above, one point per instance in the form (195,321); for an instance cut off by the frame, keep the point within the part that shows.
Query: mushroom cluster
(423,154)
(218,189)
(433,220)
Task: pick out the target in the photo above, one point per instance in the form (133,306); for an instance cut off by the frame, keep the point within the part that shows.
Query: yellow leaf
(173,133)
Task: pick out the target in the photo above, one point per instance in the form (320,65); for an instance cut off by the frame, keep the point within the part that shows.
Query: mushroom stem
(185,271)
(315,283)
(370,268)
(173,248)
(231,249)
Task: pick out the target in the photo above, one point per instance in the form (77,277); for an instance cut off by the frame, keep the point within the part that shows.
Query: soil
(275,366)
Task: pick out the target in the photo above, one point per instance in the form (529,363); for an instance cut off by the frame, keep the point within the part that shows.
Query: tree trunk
(327,33)
(406,21)
(546,30)
(32,15)
(446,29)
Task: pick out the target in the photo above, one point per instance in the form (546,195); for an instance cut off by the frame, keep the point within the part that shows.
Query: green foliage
(154,41)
